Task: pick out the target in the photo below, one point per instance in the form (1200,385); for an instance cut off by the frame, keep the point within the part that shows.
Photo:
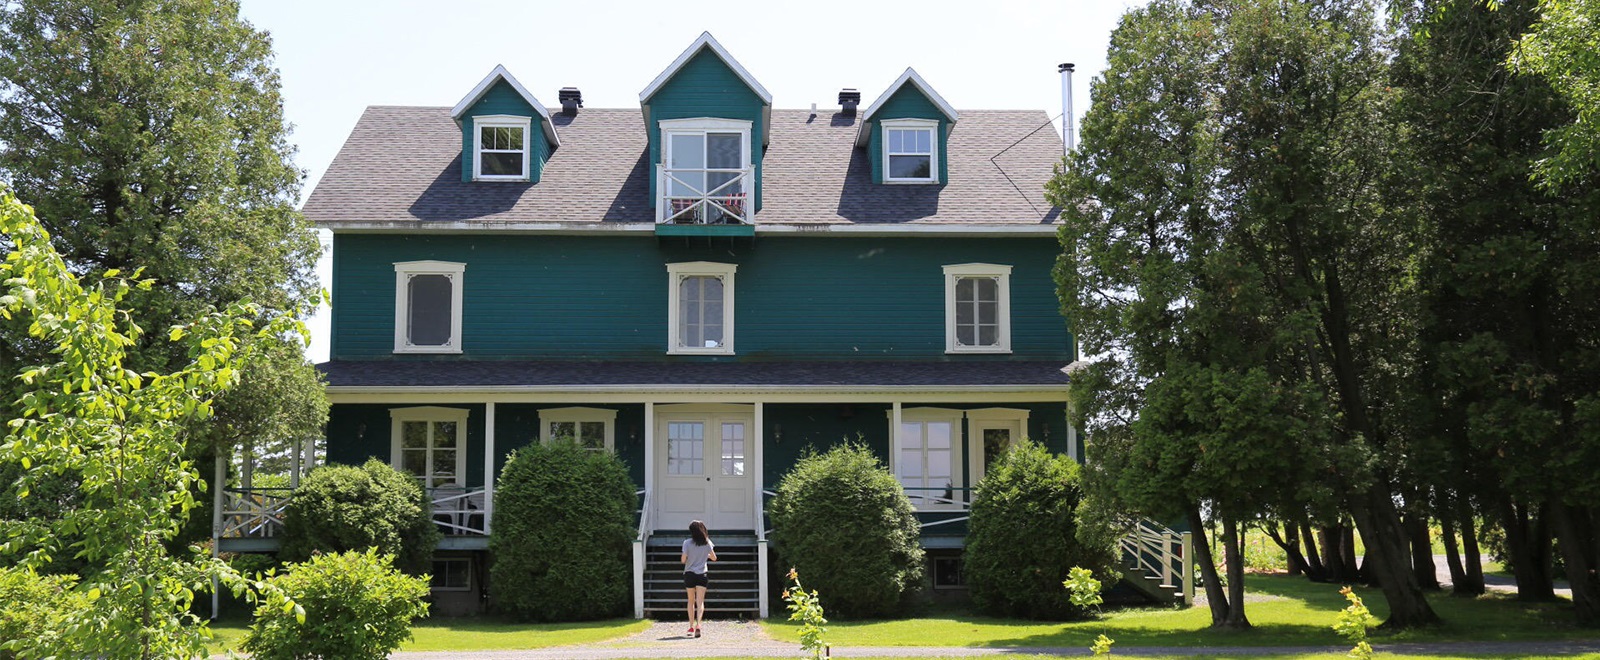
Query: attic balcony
(704,202)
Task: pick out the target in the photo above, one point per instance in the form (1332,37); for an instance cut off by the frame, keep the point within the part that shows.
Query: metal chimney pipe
(1068,139)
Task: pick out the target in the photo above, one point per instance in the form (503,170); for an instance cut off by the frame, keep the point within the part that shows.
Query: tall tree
(151,132)
(1230,265)
(1510,274)
(1564,49)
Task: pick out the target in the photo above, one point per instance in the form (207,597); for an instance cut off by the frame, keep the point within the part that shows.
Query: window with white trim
(910,151)
(700,308)
(427,306)
(593,429)
(452,574)
(705,178)
(430,444)
(977,308)
(500,148)
(927,457)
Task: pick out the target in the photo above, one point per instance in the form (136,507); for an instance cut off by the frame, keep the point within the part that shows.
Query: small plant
(1353,622)
(1084,591)
(807,609)
(348,605)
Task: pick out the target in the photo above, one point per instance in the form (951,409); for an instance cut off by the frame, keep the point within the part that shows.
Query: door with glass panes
(705,471)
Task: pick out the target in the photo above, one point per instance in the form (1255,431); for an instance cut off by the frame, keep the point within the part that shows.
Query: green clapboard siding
(605,297)
(706,87)
(501,99)
(909,103)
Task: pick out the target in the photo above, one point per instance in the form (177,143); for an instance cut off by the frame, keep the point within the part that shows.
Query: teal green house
(705,286)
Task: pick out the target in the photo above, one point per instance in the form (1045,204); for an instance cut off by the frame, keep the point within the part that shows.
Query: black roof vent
(849,98)
(571,100)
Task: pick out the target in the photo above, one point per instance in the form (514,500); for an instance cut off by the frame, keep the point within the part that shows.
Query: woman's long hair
(697,530)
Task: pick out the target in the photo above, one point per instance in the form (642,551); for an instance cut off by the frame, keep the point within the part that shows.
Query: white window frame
(985,418)
(924,416)
(462,560)
(501,121)
(403,272)
(1002,275)
(676,274)
(577,415)
(932,128)
(702,126)
(430,414)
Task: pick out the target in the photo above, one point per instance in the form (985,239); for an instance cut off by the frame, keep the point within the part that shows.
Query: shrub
(340,507)
(33,611)
(843,521)
(563,531)
(348,605)
(1024,540)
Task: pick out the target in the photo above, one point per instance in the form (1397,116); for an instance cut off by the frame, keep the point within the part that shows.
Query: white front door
(990,432)
(706,470)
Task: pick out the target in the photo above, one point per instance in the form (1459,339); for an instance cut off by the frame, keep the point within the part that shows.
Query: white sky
(339,56)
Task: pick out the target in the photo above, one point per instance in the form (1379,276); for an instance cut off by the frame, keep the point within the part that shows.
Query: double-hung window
(927,458)
(977,308)
(590,428)
(430,443)
(700,308)
(500,151)
(910,151)
(427,306)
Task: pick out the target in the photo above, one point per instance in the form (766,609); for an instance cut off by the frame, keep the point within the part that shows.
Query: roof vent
(849,98)
(571,100)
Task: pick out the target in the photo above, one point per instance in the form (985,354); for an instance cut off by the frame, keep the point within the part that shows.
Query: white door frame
(713,415)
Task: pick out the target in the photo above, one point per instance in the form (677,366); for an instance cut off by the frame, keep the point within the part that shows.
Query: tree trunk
(1235,557)
(1472,585)
(1528,543)
(1215,598)
(1386,542)
(1452,552)
(1580,547)
(1340,568)
(1422,565)
(1289,541)
(1315,569)
(1347,553)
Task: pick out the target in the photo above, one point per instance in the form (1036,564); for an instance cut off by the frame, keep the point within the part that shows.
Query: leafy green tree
(342,508)
(151,133)
(119,431)
(1564,49)
(1509,339)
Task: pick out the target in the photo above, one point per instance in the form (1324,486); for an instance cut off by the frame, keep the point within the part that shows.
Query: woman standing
(697,550)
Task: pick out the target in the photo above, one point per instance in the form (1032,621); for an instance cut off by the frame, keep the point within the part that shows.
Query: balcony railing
(703,196)
(257,513)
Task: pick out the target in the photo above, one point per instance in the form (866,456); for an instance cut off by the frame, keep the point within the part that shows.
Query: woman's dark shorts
(692,580)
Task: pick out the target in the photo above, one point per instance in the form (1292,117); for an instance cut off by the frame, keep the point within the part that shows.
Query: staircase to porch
(1158,562)
(735,577)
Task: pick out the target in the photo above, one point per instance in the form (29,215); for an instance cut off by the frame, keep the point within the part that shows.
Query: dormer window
(910,150)
(501,150)
(706,178)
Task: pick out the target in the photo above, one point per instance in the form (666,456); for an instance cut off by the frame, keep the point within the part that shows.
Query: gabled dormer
(708,122)
(907,133)
(506,133)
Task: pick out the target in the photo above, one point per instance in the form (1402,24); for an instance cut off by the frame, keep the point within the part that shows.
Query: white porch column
(649,452)
(296,453)
(219,478)
(894,436)
(757,460)
(488,467)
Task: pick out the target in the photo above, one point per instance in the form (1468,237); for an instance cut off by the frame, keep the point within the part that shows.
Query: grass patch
(1286,612)
(476,634)
(1291,656)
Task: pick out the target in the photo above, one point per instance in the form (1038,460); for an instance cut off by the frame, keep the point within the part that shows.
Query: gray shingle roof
(449,374)
(402,165)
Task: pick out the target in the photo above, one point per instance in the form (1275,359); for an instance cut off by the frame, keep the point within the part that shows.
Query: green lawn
(478,634)
(1315,656)
(1296,612)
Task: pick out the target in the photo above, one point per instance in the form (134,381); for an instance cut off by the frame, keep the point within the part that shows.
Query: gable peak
(705,41)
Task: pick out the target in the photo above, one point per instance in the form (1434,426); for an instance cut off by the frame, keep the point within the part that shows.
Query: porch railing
(693,196)
(639,554)
(253,513)
(954,502)
(257,513)
(1161,553)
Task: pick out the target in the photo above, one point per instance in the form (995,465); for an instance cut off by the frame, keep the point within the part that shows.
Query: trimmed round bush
(339,508)
(563,534)
(843,521)
(1022,541)
(351,605)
